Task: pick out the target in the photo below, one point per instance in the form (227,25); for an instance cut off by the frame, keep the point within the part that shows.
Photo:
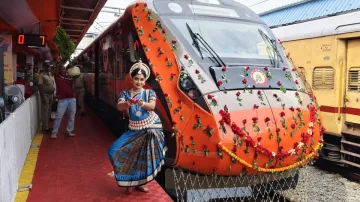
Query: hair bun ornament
(139,65)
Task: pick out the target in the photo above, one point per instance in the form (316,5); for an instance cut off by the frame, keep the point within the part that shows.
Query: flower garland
(226,119)
(270,170)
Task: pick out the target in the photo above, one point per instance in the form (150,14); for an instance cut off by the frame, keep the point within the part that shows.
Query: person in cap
(55,101)
(143,144)
(66,100)
(46,87)
(80,92)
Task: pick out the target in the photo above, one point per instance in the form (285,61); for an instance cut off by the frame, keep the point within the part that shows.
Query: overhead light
(175,7)
(213,11)
(209,1)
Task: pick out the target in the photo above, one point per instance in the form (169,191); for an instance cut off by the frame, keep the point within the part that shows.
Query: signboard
(5,42)
(8,68)
(6,45)
(31,40)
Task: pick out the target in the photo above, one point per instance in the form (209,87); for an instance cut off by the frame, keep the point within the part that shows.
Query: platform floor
(75,169)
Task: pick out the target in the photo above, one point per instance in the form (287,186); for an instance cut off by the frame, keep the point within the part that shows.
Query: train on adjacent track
(229,99)
(326,51)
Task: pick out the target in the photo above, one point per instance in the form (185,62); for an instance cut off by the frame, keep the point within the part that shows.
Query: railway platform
(74,169)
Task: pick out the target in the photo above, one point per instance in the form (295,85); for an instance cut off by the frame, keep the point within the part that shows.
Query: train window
(120,65)
(131,47)
(323,78)
(354,82)
(118,57)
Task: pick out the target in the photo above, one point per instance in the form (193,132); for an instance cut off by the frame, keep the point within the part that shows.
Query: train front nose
(266,128)
(254,129)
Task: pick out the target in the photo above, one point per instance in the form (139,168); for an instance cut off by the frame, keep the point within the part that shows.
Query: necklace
(132,90)
(137,108)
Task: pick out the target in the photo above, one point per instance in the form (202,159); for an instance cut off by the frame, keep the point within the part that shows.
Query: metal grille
(323,78)
(290,185)
(354,83)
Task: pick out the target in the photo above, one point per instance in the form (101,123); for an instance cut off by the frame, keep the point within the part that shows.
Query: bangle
(142,104)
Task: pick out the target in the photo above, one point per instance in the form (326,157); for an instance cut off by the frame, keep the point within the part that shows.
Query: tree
(65,45)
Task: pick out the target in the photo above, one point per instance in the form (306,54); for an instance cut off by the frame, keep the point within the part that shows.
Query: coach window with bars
(354,83)
(323,78)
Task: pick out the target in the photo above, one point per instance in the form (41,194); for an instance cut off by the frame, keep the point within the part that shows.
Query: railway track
(271,198)
(350,173)
(325,186)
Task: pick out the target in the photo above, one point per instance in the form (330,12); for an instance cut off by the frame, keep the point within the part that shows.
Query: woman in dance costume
(137,156)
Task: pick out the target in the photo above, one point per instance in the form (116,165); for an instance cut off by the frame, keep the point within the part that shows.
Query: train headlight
(186,84)
(193,94)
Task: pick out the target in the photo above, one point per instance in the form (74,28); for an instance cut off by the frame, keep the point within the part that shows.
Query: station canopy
(43,16)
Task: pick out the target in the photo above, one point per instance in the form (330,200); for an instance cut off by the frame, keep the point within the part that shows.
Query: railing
(16,134)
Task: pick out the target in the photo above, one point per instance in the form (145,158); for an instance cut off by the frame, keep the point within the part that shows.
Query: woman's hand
(149,106)
(129,103)
(140,102)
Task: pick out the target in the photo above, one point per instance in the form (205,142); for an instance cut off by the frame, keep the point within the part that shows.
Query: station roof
(77,16)
(43,16)
(309,10)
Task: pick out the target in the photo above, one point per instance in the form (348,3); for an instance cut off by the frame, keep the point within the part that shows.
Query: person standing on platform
(66,100)
(80,93)
(137,156)
(54,104)
(46,88)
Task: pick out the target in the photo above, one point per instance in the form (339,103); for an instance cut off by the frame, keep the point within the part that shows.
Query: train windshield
(231,39)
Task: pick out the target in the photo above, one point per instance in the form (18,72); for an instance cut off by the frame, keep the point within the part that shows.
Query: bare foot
(111,174)
(127,191)
(142,189)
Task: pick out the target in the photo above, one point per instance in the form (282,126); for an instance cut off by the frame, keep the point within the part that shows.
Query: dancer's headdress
(138,66)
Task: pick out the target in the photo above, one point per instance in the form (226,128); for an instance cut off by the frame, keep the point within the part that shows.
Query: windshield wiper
(195,40)
(197,37)
(209,47)
(274,47)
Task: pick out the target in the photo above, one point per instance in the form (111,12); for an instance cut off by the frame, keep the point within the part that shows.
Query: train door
(352,103)
(117,67)
(128,57)
(112,72)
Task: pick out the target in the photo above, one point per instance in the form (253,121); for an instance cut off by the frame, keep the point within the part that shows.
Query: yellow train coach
(327,52)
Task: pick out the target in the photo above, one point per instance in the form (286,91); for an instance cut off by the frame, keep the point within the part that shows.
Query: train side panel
(319,59)
(331,65)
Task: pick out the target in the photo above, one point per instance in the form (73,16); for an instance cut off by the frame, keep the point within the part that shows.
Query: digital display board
(31,40)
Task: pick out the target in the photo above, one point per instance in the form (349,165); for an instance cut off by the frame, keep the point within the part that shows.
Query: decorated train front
(235,102)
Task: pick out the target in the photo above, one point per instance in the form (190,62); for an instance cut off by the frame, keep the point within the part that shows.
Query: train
(229,99)
(326,53)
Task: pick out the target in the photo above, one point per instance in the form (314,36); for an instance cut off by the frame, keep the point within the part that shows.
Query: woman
(137,156)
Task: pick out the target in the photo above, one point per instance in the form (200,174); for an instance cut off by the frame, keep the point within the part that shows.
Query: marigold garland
(271,170)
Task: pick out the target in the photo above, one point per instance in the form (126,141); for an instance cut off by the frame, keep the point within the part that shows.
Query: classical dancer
(137,156)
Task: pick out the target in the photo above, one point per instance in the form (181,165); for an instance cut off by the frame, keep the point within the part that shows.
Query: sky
(105,19)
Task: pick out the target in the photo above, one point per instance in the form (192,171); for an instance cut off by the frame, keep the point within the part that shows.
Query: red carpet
(75,169)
